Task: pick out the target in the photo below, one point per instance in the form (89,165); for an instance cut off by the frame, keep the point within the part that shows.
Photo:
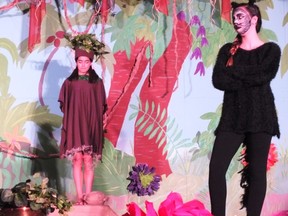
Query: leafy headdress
(86,45)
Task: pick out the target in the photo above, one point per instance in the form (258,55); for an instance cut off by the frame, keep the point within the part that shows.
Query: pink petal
(150,209)
(168,206)
(134,210)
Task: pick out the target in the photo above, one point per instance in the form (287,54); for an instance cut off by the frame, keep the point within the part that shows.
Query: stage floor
(87,210)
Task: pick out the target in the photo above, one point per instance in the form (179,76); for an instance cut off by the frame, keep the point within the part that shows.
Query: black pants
(225,146)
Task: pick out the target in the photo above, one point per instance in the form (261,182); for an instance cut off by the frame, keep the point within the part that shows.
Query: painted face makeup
(241,20)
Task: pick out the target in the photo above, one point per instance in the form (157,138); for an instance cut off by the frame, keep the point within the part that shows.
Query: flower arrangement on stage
(87,42)
(37,196)
(143,180)
(40,196)
(172,206)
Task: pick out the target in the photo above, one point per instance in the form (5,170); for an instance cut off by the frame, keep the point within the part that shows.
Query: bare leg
(78,175)
(88,172)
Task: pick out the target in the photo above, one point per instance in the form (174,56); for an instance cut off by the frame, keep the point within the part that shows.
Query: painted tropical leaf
(21,168)
(11,47)
(214,118)
(151,126)
(267,35)
(7,176)
(5,80)
(145,32)
(205,142)
(50,25)
(124,31)
(53,23)
(14,169)
(284,62)
(16,115)
(163,33)
(264,6)
(285,20)
(14,165)
(111,175)
(144,24)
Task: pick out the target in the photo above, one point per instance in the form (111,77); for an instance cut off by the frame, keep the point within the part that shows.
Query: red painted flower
(272,157)
(56,38)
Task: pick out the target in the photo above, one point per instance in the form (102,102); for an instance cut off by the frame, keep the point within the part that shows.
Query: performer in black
(244,70)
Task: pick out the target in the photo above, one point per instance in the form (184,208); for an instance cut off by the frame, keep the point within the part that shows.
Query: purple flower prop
(201,31)
(143,180)
(200,68)
(181,16)
(195,20)
(196,53)
(204,41)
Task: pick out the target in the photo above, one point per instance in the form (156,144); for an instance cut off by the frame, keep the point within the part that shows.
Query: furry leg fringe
(244,182)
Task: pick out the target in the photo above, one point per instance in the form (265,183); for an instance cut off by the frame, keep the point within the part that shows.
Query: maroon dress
(83,105)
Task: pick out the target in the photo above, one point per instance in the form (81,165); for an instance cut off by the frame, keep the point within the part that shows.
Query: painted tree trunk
(164,77)
(122,71)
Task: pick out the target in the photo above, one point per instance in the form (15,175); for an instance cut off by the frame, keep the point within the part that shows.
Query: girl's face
(241,20)
(83,64)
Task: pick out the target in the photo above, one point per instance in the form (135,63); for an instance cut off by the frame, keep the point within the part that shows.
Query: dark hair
(254,11)
(86,56)
(93,77)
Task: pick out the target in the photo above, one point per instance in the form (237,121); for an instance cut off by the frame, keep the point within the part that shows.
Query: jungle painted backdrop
(162,107)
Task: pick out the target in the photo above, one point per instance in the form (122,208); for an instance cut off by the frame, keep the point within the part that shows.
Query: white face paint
(241,20)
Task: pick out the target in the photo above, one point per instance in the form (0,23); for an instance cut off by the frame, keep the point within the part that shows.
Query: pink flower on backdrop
(282,213)
(172,206)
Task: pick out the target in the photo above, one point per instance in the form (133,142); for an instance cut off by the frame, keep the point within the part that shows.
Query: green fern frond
(154,123)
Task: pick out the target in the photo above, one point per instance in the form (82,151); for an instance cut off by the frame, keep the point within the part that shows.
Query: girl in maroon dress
(82,100)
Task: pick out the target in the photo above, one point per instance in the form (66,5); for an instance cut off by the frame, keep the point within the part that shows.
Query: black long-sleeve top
(248,104)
